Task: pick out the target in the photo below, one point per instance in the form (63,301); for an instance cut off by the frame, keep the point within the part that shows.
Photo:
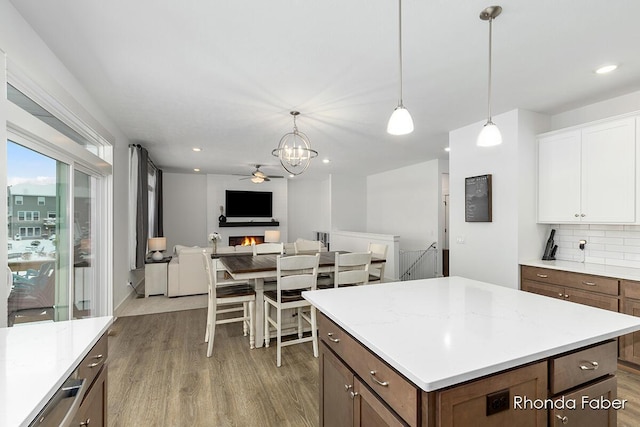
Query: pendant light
(400,122)
(294,150)
(490,134)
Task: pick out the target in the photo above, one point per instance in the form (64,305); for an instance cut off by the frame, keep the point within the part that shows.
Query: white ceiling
(223,75)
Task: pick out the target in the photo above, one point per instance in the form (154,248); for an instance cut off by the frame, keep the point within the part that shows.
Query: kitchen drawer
(573,369)
(587,282)
(553,291)
(585,415)
(95,359)
(629,289)
(395,390)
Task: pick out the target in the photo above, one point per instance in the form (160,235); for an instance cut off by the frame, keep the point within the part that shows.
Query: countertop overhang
(445,331)
(37,358)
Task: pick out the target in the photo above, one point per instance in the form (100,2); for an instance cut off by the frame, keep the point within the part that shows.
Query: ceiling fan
(258,177)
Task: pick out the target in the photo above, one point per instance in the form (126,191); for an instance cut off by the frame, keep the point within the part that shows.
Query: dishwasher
(64,404)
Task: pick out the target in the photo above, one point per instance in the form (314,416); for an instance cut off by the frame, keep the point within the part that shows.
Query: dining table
(257,268)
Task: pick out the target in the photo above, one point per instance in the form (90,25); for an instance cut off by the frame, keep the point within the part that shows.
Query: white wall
(184,209)
(308,208)
(407,202)
(27,52)
(599,110)
(490,251)
(215,197)
(348,202)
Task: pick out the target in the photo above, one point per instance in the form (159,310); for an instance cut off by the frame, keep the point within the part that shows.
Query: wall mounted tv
(257,204)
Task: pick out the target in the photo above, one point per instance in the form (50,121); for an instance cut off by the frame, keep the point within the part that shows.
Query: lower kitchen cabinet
(336,386)
(594,291)
(492,401)
(587,413)
(370,411)
(93,409)
(630,304)
(345,401)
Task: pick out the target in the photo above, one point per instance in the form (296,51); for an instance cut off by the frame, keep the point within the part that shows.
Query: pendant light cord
(489,85)
(400,47)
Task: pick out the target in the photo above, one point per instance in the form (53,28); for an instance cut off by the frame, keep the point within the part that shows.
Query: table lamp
(272,236)
(157,245)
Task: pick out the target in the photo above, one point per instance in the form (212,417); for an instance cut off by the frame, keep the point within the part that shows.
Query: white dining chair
(228,298)
(351,269)
(376,271)
(307,246)
(268,248)
(294,274)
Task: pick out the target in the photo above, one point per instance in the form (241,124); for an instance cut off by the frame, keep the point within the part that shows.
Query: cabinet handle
(373,377)
(347,387)
(582,215)
(566,295)
(94,364)
(576,215)
(330,335)
(563,419)
(560,294)
(544,276)
(354,394)
(98,356)
(85,423)
(589,283)
(593,367)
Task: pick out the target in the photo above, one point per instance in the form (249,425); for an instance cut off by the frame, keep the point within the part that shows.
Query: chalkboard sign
(477,199)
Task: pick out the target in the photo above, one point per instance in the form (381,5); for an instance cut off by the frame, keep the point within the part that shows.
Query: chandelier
(294,150)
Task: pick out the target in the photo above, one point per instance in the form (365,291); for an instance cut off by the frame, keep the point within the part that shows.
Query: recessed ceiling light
(197,149)
(606,69)
(326,161)
(196,170)
(291,175)
(447,149)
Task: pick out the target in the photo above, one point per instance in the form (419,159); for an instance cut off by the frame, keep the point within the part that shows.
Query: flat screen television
(256,204)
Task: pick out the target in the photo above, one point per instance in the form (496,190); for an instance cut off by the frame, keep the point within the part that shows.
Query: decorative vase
(214,242)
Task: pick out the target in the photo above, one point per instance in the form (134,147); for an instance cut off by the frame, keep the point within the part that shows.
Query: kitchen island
(36,359)
(453,351)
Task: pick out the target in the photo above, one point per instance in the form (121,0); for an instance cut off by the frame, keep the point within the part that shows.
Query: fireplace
(245,240)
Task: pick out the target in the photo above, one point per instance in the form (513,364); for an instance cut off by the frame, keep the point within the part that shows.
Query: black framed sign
(477,198)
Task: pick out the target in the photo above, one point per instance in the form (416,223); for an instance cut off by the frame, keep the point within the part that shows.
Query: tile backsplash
(606,244)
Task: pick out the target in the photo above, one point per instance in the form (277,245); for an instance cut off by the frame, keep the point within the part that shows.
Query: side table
(155,276)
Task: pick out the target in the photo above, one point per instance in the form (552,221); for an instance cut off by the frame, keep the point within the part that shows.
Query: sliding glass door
(57,196)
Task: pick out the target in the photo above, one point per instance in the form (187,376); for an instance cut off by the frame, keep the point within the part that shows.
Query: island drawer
(94,360)
(588,282)
(570,370)
(397,392)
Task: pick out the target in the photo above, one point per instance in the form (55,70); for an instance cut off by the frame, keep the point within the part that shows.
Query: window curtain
(139,205)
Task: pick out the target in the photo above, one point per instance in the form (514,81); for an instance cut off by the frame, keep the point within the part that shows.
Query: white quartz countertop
(444,331)
(36,359)
(614,271)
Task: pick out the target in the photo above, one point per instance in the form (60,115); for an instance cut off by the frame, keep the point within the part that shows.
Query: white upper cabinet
(588,174)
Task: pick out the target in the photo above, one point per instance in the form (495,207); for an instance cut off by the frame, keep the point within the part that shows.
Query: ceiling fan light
(400,122)
(489,135)
(257,180)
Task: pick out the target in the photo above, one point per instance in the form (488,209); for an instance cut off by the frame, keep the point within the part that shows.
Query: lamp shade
(489,135)
(400,122)
(157,244)
(272,236)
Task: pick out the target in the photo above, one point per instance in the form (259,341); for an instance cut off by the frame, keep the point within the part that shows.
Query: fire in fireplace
(245,240)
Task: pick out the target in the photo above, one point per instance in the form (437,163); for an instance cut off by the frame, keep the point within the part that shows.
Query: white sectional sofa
(186,271)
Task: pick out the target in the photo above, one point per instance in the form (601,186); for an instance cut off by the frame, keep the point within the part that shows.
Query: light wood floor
(159,375)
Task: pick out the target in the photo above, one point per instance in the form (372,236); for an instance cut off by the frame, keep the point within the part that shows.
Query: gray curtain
(142,208)
(159,228)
